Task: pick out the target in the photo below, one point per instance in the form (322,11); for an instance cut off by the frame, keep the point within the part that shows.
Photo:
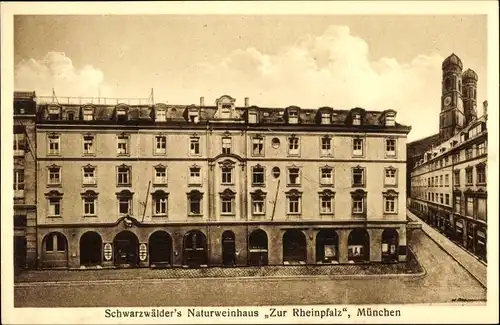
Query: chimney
(485,108)
(247,102)
(202,101)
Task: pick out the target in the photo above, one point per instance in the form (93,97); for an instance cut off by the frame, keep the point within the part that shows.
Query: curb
(452,256)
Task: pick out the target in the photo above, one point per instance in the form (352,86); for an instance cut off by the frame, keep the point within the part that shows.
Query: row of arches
(127,250)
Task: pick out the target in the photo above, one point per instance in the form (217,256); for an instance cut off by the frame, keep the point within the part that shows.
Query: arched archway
(55,250)
(390,245)
(160,249)
(257,248)
(294,247)
(126,247)
(90,249)
(228,248)
(195,249)
(327,243)
(358,246)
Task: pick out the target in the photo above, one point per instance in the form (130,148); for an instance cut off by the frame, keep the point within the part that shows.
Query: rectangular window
(458,205)
(294,204)
(470,206)
(124,205)
(446,180)
(18,179)
(258,205)
(468,176)
(293,117)
(441,180)
(358,177)
(481,149)
(122,145)
(227,175)
(258,177)
(390,147)
(194,146)
(161,145)
(358,204)
(293,176)
(194,175)
(89,206)
(441,198)
(326,146)
(88,115)
(123,177)
(357,147)
(481,174)
(226,145)
(195,205)
(293,146)
(469,153)
(390,120)
(325,118)
(54,206)
(326,176)
(326,203)
(356,119)
(456,178)
(88,145)
(89,177)
(161,115)
(19,144)
(54,176)
(390,204)
(447,199)
(54,145)
(257,146)
(390,177)
(252,118)
(481,209)
(160,205)
(160,175)
(227,205)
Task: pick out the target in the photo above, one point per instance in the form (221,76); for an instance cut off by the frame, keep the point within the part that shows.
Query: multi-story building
(448,184)
(24,180)
(156,184)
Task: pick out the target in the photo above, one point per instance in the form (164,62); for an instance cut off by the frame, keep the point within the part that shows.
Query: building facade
(448,182)
(24,180)
(197,185)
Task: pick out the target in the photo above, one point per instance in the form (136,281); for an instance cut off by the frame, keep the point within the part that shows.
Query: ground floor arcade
(129,243)
(464,231)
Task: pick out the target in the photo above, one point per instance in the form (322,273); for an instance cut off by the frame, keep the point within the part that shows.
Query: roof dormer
(192,114)
(389,117)
(253,115)
(160,112)
(225,107)
(356,116)
(87,112)
(292,115)
(324,115)
(54,112)
(121,112)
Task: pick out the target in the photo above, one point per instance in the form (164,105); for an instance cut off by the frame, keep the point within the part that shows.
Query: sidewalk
(477,269)
(401,269)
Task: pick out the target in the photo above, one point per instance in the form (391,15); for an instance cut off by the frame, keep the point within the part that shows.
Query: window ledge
(195,215)
(54,154)
(227,184)
(124,185)
(88,154)
(293,185)
(294,214)
(258,214)
(159,154)
(90,215)
(194,185)
(159,184)
(123,155)
(54,217)
(54,185)
(89,185)
(258,185)
(228,214)
(327,214)
(327,185)
(160,216)
(391,185)
(358,185)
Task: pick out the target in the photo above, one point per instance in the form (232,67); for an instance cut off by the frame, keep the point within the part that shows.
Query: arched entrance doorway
(90,249)
(390,245)
(327,243)
(358,246)
(160,249)
(228,248)
(257,250)
(126,247)
(294,247)
(195,249)
(55,250)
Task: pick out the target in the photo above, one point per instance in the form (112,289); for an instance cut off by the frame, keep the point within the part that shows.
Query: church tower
(451,118)
(469,79)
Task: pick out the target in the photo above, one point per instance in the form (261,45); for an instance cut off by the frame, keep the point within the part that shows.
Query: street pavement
(445,281)
(472,264)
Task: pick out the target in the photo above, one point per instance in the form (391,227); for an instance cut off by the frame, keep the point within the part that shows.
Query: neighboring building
(24,180)
(173,185)
(448,182)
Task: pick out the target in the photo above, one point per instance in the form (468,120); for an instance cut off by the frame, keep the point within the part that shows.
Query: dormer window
(161,115)
(54,113)
(326,118)
(71,116)
(252,117)
(390,119)
(121,114)
(193,115)
(88,114)
(293,117)
(356,119)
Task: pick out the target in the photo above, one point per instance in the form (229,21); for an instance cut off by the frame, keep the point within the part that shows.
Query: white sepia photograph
(221,162)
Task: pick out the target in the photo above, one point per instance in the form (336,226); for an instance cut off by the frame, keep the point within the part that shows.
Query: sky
(374,62)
